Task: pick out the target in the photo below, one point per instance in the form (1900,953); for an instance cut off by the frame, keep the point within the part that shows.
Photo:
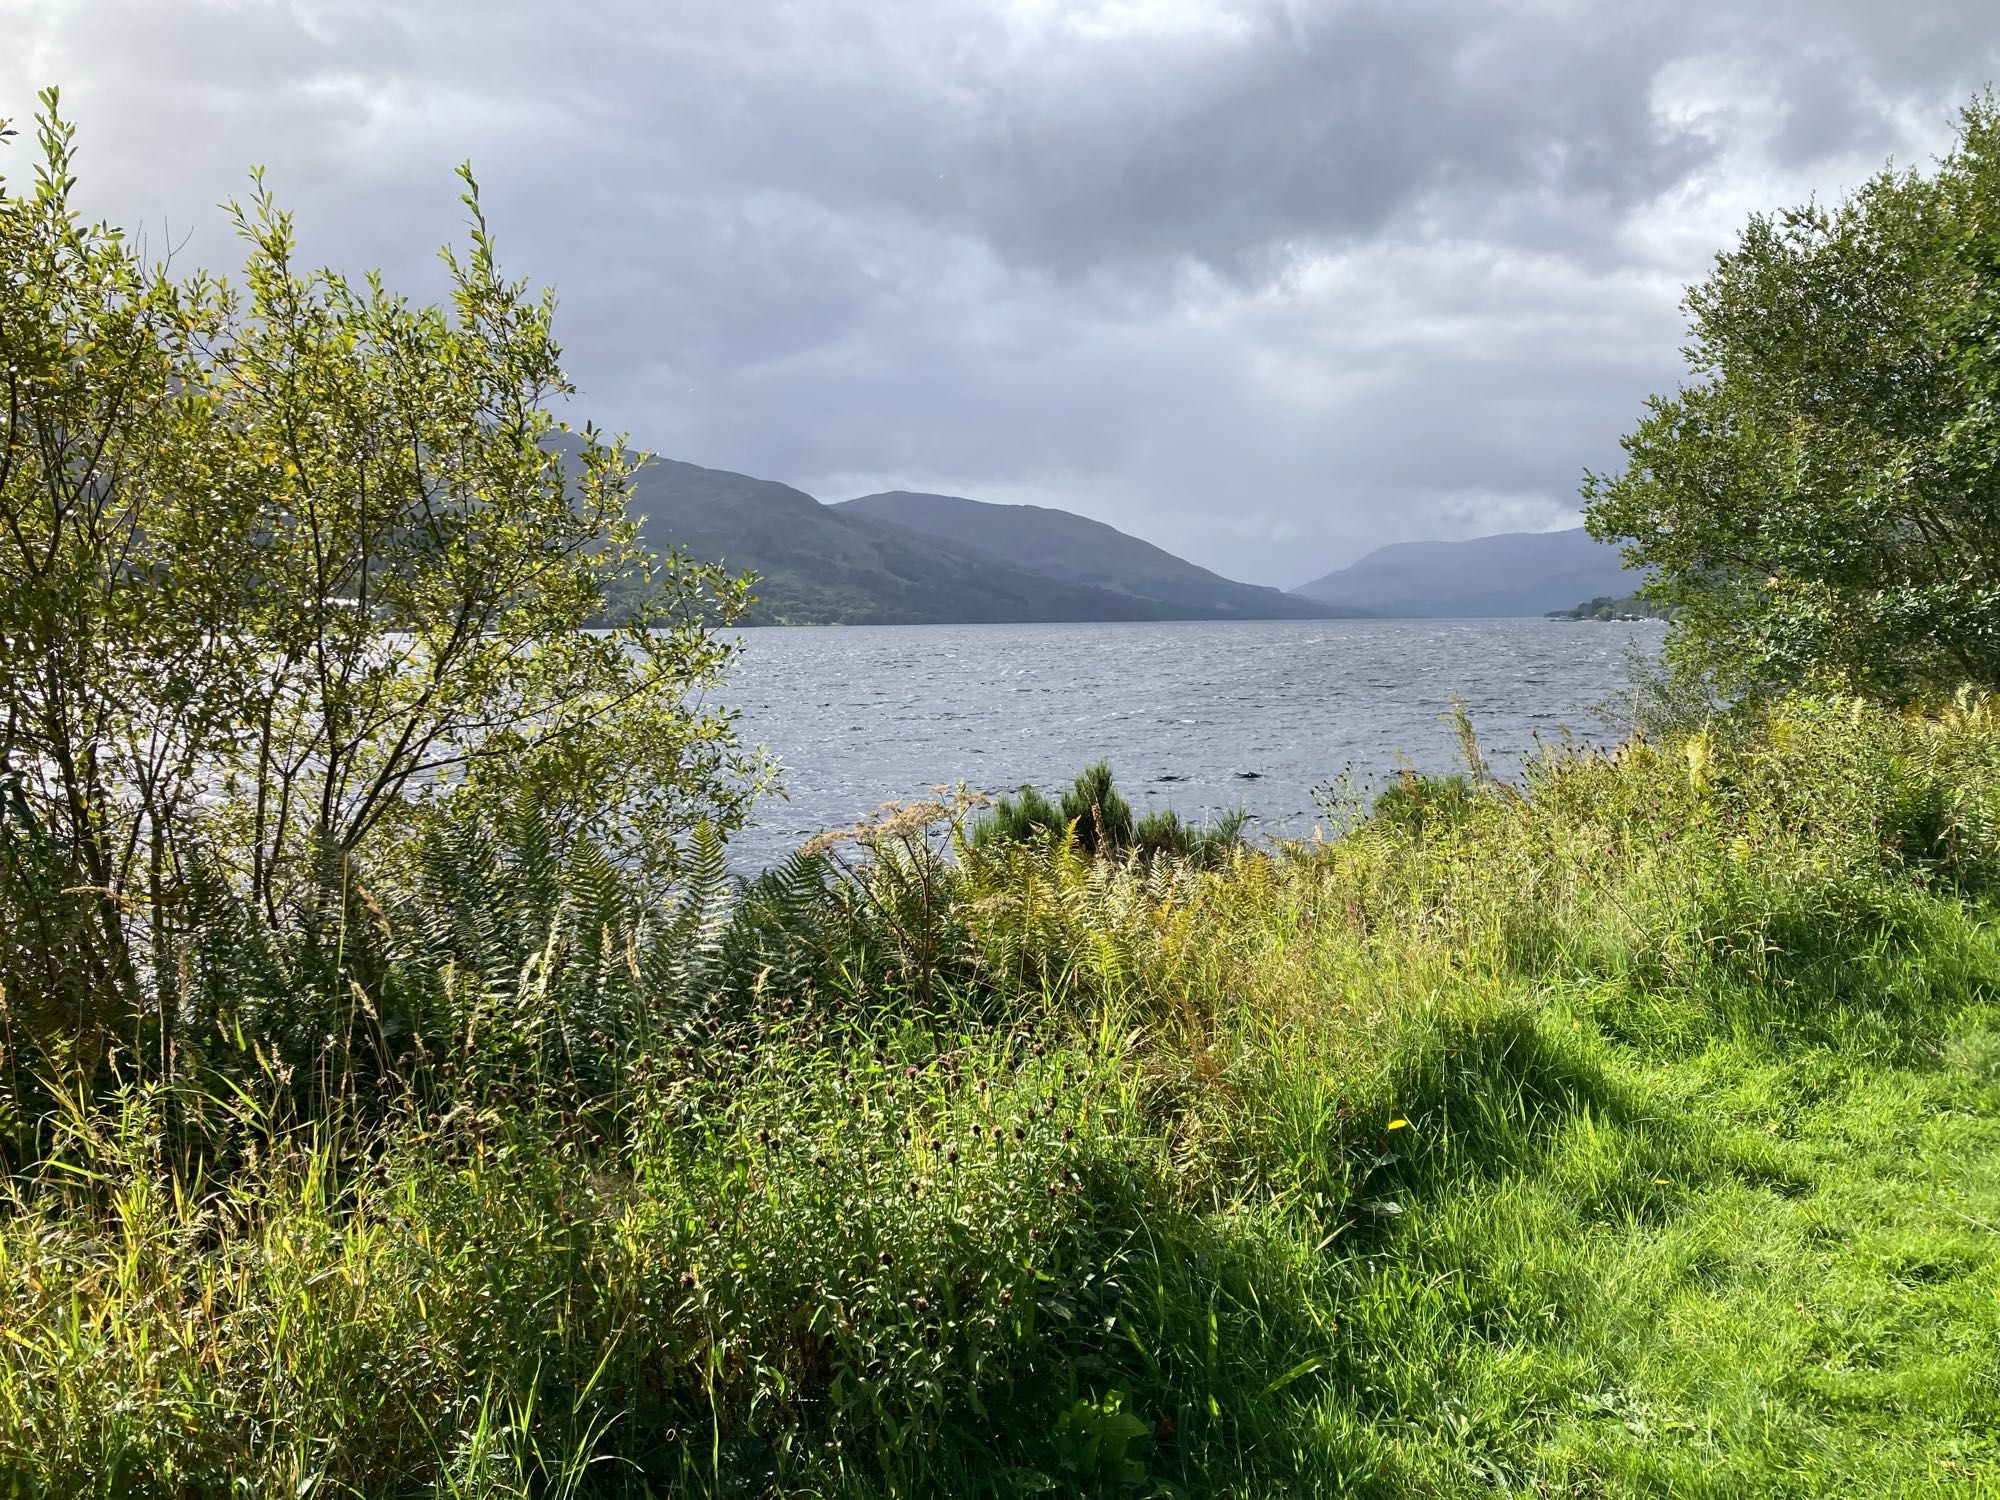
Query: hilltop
(1060,545)
(907,559)
(1514,573)
(819,566)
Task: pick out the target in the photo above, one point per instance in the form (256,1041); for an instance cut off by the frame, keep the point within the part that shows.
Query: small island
(1604,607)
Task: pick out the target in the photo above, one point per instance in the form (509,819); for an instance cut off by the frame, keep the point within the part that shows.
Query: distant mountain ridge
(1073,549)
(1513,573)
(904,557)
(816,566)
(833,564)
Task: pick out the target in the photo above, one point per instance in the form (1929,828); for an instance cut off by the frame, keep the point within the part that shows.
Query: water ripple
(1192,705)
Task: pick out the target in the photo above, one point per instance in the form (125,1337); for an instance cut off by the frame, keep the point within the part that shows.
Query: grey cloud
(1268,281)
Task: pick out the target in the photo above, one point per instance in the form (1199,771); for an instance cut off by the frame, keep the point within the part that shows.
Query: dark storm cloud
(1266,282)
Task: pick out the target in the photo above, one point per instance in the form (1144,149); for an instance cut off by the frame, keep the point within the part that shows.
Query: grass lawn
(1764,1267)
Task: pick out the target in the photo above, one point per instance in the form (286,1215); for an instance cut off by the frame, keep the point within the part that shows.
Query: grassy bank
(1632,1133)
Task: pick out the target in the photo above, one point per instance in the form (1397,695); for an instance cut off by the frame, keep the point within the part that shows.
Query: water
(1201,717)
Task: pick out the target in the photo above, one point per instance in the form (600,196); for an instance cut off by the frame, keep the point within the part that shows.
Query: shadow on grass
(1875,972)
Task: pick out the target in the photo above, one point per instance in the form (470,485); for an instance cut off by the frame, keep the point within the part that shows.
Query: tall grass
(1626,1131)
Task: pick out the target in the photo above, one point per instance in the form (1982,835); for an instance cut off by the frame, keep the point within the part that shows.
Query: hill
(1514,573)
(1059,545)
(821,565)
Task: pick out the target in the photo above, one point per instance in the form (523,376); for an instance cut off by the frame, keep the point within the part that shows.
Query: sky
(1267,282)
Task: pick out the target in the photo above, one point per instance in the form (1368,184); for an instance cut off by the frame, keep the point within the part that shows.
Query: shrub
(1421,804)
(293,576)
(1098,817)
(1816,498)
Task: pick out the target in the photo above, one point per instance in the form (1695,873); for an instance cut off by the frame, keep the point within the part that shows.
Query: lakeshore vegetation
(398,1097)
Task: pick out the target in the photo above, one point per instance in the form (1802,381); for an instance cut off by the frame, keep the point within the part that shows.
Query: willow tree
(288,565)
(1820,502)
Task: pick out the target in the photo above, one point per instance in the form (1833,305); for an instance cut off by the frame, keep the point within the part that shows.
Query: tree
(1821,501)
(288,571)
